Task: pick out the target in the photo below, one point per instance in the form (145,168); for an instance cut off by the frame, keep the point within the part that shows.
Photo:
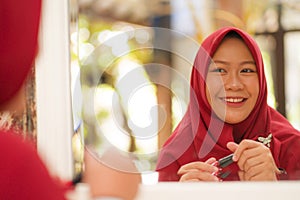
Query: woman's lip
(233,101)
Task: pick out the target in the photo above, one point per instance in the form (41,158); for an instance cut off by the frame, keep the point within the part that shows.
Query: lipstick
(221,163)
(225,161)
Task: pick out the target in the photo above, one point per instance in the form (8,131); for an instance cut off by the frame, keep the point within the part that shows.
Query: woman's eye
(219,70)
(248,70)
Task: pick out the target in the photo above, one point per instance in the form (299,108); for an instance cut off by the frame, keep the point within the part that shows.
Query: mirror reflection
(134,60)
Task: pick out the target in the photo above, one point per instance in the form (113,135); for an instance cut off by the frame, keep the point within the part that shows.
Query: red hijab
(19,24)
(201,134)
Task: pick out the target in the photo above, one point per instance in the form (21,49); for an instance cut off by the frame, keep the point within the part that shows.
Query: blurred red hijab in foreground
(19,23)
(22,173)
(201,135)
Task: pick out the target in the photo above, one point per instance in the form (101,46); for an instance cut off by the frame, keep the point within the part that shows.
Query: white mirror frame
(53,93)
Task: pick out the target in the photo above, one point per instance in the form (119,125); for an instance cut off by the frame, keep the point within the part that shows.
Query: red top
(201,135)
(22,173)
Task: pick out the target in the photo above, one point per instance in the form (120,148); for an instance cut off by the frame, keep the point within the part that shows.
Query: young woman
(228,114)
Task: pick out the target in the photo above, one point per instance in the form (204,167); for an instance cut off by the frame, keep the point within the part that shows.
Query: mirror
(134,78)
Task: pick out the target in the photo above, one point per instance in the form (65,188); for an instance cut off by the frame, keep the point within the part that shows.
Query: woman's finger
(198,175)
(198,166)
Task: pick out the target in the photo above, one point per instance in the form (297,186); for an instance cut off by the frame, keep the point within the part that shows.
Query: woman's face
(232,81)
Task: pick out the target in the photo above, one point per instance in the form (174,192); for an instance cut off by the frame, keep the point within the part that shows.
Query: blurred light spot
(85,50)
(142,36)
(119,50)
(84,34)
(129,30)
(74,38)
(103,35)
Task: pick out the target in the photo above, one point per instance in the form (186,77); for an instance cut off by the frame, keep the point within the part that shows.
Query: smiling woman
(239,86)
(228,113)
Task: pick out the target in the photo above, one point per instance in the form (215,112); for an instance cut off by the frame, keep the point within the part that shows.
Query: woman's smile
(233,101)
(232,85)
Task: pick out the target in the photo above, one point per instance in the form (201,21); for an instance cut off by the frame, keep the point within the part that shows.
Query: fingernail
(215,164)
(215,173)
(216,179)
(216,169)
(234,158)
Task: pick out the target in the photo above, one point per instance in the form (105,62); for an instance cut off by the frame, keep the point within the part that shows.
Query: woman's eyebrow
(219,61)
(252,62)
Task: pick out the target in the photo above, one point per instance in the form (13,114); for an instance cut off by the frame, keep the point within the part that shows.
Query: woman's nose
(233,82)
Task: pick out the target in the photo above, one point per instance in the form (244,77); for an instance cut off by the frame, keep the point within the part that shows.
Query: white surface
(53,93)
(221,191)
(149,178)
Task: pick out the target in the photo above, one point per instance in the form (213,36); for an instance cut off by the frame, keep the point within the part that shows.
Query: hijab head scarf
(201,134)
(17,53)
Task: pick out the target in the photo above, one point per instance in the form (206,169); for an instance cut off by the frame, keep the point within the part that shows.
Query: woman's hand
(255,161)
(198,171)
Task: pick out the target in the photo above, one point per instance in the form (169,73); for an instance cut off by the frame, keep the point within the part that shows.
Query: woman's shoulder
(281,126)
(22,172)
(16,152)
(14,144)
